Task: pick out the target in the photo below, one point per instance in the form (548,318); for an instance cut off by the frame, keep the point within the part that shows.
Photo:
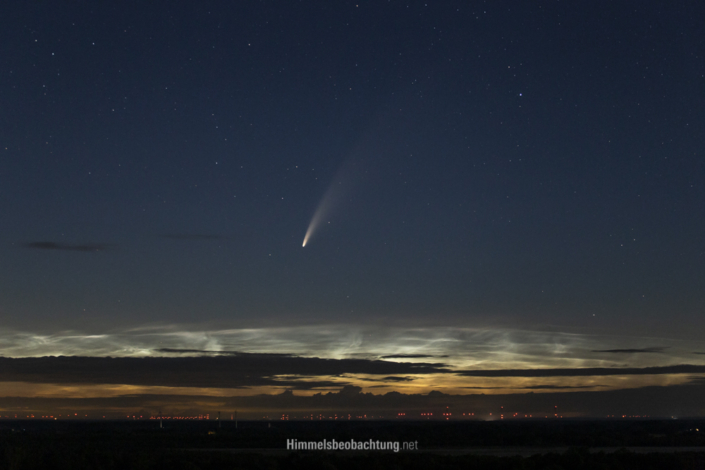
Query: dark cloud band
(234,371)
(588,371)
(412,356)
(67,247)
(631,351)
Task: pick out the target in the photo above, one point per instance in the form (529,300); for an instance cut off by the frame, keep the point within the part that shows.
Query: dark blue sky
(503,163)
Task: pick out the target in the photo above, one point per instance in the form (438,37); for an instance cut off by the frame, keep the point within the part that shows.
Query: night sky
(487,186)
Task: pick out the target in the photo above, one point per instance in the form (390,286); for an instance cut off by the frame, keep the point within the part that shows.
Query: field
(634,444)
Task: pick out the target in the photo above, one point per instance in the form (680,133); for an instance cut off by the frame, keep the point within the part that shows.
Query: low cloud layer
(587,371)
(238,370)
(412,356)
(200,352)
(631,351)
(242,370)
(677,401)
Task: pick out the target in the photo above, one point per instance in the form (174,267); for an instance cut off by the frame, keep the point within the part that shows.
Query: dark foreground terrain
(673,444)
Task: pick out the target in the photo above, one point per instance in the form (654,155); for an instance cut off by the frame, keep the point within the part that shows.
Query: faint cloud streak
(67,247)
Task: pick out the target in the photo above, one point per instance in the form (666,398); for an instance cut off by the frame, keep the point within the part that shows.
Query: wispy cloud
(192,236)
(87,247)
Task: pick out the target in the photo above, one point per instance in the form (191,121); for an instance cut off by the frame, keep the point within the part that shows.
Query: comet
(324,207)
(348,172)
(353,172)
